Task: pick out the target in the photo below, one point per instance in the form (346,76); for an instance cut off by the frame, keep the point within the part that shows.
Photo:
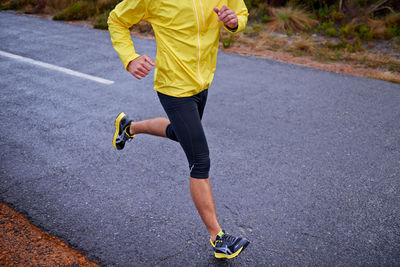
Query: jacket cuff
(129,59)
(229,29)
(240,27)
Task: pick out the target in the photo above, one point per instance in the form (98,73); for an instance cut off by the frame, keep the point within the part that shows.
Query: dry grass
(378,28)
(362,59)
(363,64)
(376,61)
(393,19)
(324,54)
(386,76)
(304,45)
(265,41)
(289,19)
(272,42)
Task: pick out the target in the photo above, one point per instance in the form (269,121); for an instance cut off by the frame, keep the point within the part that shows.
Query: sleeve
(125,14)
(241,11)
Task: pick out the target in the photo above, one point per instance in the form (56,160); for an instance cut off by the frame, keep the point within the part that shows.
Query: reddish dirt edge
(23,244)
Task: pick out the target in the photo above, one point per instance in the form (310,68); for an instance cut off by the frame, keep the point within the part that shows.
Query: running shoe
(121,135)
(228,246)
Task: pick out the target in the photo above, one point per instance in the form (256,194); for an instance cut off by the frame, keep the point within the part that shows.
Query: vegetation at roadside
(347,30)
(326,30)
(94,10)
(345,19)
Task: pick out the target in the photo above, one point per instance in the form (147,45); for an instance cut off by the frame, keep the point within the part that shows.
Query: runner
(187,35)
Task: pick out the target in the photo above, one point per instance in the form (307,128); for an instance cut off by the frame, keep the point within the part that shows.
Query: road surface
(305,163)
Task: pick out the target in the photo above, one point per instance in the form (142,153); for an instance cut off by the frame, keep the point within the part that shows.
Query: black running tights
(185,115)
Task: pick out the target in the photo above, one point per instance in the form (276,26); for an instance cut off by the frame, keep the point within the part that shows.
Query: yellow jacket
(187,34)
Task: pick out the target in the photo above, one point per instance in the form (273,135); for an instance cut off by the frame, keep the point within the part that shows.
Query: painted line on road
(57,68)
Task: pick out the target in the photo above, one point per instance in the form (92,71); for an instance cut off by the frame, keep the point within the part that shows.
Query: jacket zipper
(202,13)
(198,39)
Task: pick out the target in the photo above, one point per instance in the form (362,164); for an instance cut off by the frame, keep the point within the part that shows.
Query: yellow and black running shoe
(228,246)
(121,135)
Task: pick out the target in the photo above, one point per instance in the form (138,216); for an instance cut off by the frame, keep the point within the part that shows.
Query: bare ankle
(213,238)
(131,129)
(213,235)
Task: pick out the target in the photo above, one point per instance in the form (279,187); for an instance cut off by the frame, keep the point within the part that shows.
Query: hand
(227,16)
(141,66)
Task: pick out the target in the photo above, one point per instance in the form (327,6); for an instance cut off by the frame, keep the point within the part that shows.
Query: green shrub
(16,4)
(258,27)
(338,16)
(60,16)
(354,45)
(313,16)
(324,26)
(108,6)
(101,21)
(76,11)
(393,19)
(252,31)
(338,56)
(364,32)
(249,4)
(331,32)
(323,14)
(249,31)
(397,31)
(394,68)
(282,16)
(346,31)
(5,7)
(341,45)
(266,18)
(228,42)
(390,32)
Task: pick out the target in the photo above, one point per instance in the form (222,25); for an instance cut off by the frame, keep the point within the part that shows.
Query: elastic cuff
(232,29)
(199,175)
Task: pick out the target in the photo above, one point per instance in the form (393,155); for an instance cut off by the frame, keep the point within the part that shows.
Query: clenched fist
(227,16)
(141,66)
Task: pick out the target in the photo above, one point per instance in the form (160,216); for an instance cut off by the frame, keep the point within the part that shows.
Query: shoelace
(228,238)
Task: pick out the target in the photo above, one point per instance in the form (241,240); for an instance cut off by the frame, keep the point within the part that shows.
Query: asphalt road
(305,163)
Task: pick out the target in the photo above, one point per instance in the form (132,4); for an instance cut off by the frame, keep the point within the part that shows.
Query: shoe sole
(225,256)
(117,122)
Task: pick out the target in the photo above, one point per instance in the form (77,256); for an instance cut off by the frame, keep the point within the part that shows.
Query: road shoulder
(23,243)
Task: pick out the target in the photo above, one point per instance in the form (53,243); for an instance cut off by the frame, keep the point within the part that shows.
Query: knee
(200,168)
(170,133)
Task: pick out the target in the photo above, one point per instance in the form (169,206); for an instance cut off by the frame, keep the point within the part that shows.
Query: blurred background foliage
(346,19)
(365,33)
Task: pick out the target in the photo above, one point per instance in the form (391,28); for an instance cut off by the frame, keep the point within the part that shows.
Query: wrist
(130,60)
(232,29)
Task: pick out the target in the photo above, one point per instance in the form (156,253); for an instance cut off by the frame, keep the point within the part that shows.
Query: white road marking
(54,67)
